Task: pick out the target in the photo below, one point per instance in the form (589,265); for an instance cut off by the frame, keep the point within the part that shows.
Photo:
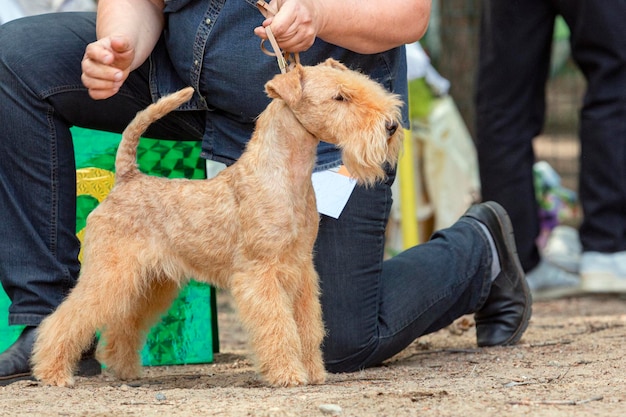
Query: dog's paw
(287,379)
(55,380)
(317,378)
(315,368)
(52,371)
(127,374)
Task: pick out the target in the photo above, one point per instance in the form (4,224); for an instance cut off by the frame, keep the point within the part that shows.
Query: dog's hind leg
(308,316)
(66,333)
(265,309)
(125,335)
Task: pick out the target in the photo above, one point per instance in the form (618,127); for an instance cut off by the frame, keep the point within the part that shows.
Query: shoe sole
(87,368)
(509,238)
(602,282)
(14,378)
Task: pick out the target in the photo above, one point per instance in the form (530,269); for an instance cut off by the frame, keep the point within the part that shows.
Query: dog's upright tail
(126,158)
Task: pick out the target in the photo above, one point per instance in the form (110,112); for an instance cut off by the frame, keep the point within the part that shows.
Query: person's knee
(10,34)
(345,354)
(43,40)
(21,45)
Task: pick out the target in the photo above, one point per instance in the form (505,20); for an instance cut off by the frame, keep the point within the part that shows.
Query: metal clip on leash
(285,59)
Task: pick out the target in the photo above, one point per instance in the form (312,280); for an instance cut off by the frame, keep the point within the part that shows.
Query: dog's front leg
(265,309)
(308,316)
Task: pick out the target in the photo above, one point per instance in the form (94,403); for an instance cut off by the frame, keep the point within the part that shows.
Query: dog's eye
(339,97)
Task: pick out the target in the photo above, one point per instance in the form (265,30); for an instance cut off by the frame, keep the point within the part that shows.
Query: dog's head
(348,109)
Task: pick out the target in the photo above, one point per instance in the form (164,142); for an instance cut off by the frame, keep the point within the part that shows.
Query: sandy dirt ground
(571,362)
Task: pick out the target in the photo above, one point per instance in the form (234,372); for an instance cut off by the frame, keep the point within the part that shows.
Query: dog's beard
(368,164)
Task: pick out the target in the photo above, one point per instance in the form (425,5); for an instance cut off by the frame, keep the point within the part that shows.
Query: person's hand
(296,24)
(106,65)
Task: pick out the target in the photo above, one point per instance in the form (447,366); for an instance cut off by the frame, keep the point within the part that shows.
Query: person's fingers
(106,65)
(293,26)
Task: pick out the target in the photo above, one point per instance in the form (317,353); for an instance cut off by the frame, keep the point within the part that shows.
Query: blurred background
(452,44)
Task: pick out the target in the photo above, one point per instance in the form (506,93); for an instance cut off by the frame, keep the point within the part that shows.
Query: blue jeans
(372,308)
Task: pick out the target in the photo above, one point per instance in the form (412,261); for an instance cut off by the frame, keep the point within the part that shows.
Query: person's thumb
(120,44)
(123,53)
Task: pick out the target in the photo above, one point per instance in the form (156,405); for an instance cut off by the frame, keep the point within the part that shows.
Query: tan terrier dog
(250,229)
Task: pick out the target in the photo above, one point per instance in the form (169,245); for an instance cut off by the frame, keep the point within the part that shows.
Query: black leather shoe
(89,365)
(15,361)
(504,317)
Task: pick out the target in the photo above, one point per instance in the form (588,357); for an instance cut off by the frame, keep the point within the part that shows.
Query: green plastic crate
(188,332)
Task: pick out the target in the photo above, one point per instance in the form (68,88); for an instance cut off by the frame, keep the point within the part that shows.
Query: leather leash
(286,60)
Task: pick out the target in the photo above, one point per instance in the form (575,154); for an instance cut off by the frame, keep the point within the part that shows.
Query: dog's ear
(335,64)
(287,87)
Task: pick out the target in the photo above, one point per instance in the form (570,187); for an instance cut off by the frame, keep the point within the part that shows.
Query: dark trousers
(515,43)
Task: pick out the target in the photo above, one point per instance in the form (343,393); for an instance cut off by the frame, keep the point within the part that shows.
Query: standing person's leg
(598,40)
(42,96)
(515,42)
(373,308)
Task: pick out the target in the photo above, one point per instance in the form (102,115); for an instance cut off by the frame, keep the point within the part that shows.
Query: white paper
(332,191)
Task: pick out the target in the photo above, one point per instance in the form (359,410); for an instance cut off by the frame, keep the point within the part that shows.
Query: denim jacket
(210,45)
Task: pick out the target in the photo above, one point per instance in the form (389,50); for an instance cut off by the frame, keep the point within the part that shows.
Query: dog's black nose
(391,127)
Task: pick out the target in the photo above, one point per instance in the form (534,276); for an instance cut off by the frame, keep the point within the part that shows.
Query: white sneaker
(548,281)
(563,248)
(603,272)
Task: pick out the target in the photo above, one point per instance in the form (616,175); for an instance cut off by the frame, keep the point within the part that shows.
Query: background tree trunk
(457,57)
